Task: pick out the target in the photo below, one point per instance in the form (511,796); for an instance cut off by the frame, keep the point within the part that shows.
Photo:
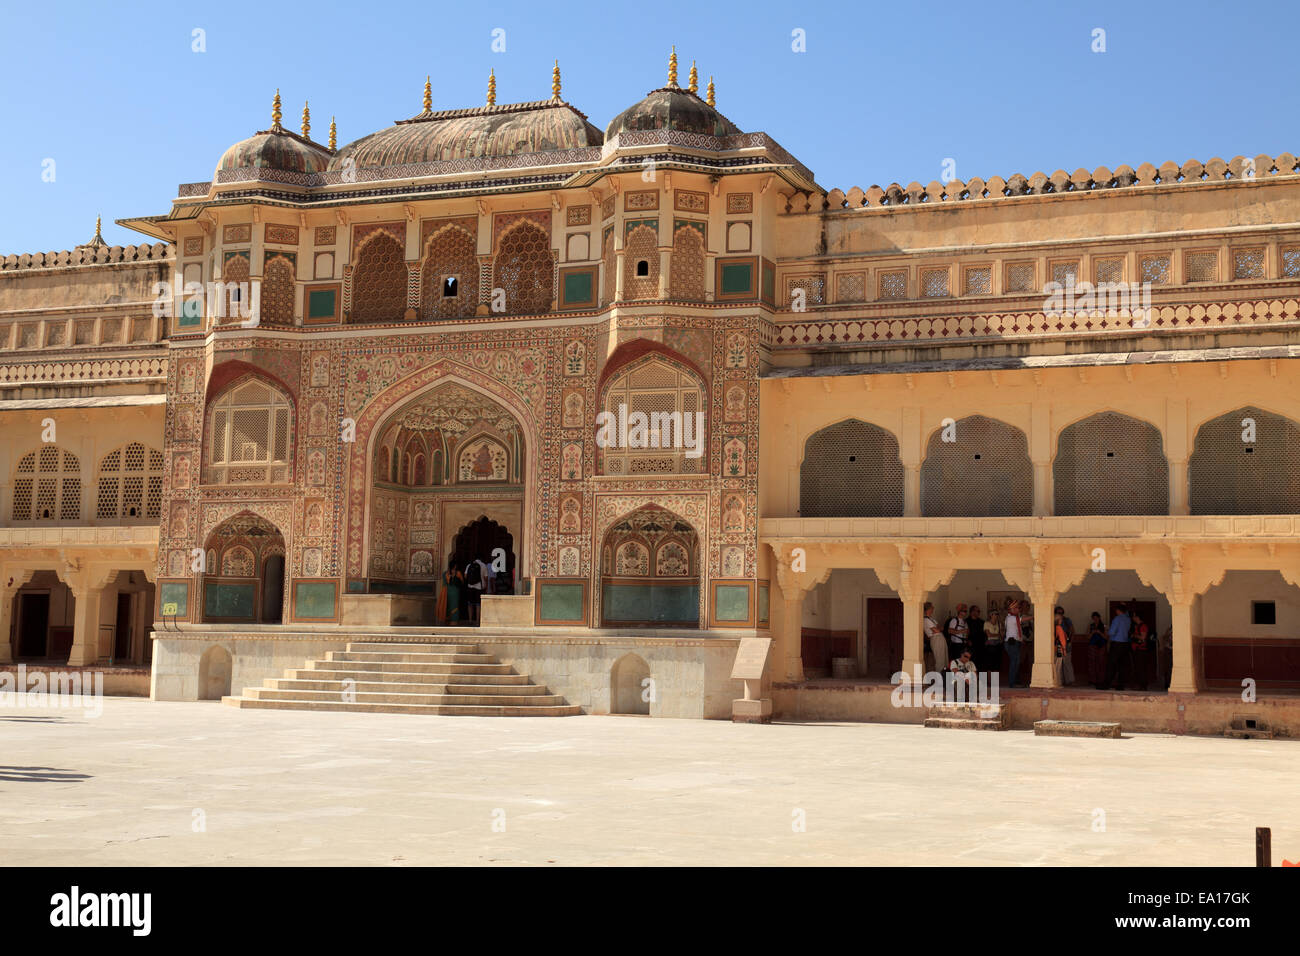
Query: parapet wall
(89,255)
(1081,180)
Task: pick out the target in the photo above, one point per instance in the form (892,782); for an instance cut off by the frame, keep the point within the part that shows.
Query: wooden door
(884,637)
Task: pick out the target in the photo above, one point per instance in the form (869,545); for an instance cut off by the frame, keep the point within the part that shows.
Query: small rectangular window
(1263,612)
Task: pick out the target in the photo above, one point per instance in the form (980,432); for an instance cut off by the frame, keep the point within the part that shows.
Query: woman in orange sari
(449,597)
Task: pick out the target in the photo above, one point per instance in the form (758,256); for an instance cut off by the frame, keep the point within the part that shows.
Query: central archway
(650,571)
(439,463)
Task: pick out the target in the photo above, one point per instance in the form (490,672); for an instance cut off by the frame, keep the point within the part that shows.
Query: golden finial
(709,95)
(492,88)
(275,112)
(672,68)
(97,239)
(555,81)
(428,95)
(306,120)
(334,135)
(695,79)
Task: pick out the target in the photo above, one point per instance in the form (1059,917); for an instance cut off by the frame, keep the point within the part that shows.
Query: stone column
(1183,678)
(1177,441)
(1040,453)
(909,451)
(8,598)
(913,634)
(1178,490)
(912,489)
(794,585)
(620,256)
(1043,596)
(85,633)
(665,270)
(790,619)
(1042,488)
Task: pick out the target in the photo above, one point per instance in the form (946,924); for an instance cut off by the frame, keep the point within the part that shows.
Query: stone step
(384,648)
(396,687)
(964,723)
(386,697)
(1239,733)
(407,657)
(968,711)
(411,667)
(435,710)
(1076,728)
(394,678)
(404,677)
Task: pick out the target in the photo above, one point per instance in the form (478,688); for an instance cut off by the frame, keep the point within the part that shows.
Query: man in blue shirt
(1119,649)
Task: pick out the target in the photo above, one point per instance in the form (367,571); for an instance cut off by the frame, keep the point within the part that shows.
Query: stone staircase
(397,678)
(967,716)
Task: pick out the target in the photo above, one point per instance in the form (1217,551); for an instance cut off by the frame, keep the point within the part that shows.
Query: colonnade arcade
(1188,573)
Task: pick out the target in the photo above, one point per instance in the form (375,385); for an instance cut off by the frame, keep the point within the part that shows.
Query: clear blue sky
(113,93)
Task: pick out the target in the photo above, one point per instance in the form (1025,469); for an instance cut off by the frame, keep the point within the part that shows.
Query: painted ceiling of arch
(454,410)
(241,526)
(653,522)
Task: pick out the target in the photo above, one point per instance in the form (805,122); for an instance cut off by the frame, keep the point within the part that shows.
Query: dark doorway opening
(34,627)
(122,629)
(1144,661)
(481,539)
(273,590)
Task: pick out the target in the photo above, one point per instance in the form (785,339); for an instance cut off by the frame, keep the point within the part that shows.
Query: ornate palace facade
(376,361)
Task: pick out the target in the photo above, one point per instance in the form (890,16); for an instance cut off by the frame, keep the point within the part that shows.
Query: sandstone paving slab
(150,783)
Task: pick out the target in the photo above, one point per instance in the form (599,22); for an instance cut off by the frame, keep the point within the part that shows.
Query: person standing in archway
(475,579)
(1014,640)
(449,599)
(934,637)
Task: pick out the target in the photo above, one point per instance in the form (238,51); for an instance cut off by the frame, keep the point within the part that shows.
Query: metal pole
(1263,846)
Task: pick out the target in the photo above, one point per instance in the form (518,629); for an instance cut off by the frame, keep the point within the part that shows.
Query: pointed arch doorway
(485,540)
(445,459)
(650,571)
(243,578)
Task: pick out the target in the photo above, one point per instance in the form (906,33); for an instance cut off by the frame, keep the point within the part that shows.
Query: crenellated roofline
(1240,168)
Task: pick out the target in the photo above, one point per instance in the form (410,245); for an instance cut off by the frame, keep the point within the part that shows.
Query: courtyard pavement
(198,783)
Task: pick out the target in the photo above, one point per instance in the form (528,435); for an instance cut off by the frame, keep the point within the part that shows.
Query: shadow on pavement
(40,775)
